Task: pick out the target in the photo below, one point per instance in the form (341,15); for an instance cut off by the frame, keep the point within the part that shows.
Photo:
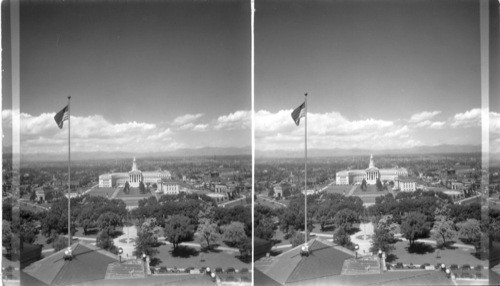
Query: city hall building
(134,177)
(371,174)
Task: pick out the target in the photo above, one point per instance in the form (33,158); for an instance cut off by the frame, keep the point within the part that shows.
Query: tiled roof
(89,263)
(325,259)
(391,278)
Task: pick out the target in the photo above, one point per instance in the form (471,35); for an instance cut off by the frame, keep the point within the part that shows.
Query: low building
(40,195)
(134,177)
(405,185)
(370,175)
(219,197)
(169,188)
(278,191)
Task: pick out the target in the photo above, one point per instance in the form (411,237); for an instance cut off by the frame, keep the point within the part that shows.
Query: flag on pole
(298,113)
(61,116)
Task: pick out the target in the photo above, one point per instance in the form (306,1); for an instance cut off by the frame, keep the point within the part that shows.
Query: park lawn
(317,229)
(371,189)
(428,254)
(267,203)
(102,192)
(338,189)
(280,238)
(134,192)
(188,256)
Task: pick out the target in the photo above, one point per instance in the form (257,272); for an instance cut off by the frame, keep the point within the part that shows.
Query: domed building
(134,177)
(371,174)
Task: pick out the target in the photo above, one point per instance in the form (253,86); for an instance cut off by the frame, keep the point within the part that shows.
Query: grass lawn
(102,192)
(267,203)
(242,202)
(317,229)
(371,189)
(427,253)
(134,192)
(338,189)
(187,256)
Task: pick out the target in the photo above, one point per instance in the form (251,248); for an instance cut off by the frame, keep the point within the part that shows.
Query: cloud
(471,118)
(423,116)
(194,127)
(437,125)
(187,118)
(241,119)
(494,132)
(88,134)
(277,131)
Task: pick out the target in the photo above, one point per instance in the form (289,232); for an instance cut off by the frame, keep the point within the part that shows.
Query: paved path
(228,202)
(115,193)
(270,200)
(351,191)
(93,187)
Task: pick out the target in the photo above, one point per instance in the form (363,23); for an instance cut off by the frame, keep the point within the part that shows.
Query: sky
(143,76)
(379,74)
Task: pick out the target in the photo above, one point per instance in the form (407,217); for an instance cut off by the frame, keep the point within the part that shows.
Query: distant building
(134,177)
(40,195)
(278,191)
(405,185)
(218,197)
(220,188)
(169,188)
(371,174)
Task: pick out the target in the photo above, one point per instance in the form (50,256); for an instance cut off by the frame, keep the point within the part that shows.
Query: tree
(470,232)
(147,238)
(178,229)
(6,235)
(345,218)
(108,220)
(233,233)
(414,226)
(208,233)
(59,242)
(245,248)
(265,228)
(444,229)
(126,189)
(363,185)
(33,196)
(142,188)
(341,237)
(104,241)
(271,192)
(297,238)
(383,235)
(379,185)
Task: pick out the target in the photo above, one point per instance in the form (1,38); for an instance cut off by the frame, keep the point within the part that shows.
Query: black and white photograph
(132,120)
(250,142)
(368,143)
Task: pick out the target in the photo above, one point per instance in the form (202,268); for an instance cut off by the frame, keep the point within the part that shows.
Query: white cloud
(241,119)
(437,125)
(494,122)
(471,118)
(187,118)
(424,123)
(424,115)
(88,134)
(200,127)
(277,131)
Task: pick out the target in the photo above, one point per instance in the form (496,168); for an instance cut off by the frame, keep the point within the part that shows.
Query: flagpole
(69,173)
(305,173)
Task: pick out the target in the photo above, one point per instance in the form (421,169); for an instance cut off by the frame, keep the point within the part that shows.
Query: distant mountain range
(441,149)
(77,156)
(211,151)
